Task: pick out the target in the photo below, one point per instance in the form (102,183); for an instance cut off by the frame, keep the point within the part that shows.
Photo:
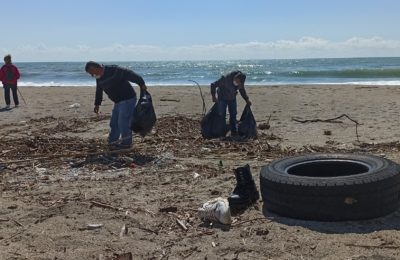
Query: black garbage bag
(213,125)
(247,126)
(144,117)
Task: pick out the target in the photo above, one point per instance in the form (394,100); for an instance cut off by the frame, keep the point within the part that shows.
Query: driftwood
(181,225)
(170,100)
(330,120)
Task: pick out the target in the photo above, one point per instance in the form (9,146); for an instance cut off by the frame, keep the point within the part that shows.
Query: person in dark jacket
(114,81)
(224,92)
(9,75)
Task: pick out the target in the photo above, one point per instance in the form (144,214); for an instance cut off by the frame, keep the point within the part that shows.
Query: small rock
(12,207)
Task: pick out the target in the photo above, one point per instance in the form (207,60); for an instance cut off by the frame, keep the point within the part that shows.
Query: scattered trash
(205,149)
(94,226)
(216,210)
(75,105)
(169,209)
(126,256)
(181,224)
(264,126)
(220,164)
(196,175)
(40,170)
(124,231)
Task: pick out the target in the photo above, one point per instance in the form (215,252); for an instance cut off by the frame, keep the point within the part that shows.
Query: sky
(131,30)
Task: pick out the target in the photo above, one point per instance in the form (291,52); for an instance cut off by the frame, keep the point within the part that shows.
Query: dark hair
(92,64)
(7,57)
(240,76)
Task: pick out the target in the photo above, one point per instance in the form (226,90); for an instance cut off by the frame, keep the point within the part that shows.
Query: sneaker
(216,210)
(8,106)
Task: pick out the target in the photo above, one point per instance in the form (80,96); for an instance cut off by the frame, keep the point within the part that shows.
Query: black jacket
(226,90)
(115,83)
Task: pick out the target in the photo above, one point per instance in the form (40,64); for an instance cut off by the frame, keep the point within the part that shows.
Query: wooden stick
(181,224)
(170,100)
(330,120)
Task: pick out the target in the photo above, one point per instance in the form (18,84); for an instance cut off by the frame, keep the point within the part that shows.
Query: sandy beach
(54,179)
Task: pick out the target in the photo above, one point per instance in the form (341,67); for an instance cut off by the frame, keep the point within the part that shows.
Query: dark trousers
(14,90)
(232,108)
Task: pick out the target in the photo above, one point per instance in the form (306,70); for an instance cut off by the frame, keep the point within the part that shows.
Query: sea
(362,71)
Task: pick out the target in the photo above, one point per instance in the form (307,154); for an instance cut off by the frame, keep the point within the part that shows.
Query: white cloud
(306,47)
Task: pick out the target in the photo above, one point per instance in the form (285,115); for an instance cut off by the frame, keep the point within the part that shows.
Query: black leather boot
(245,193)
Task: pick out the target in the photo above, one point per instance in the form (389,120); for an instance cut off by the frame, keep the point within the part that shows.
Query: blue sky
(48,30)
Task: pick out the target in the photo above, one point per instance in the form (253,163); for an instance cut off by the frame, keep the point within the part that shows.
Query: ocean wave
(349,73)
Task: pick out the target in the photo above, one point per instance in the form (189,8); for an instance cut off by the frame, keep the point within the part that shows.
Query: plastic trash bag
(144,117)
(247,126)
(213,125)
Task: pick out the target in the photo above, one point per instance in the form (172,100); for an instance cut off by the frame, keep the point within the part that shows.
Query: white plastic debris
(196,175)
(40,170)
(75,105)
(94,226)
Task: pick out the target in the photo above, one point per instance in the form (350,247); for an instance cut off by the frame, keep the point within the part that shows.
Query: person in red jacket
(9,75)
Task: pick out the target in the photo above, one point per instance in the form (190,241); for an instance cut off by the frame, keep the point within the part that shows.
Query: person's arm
(244,95)
(1,74)
(17,75)
(98,99)
(213,88)
(132,77)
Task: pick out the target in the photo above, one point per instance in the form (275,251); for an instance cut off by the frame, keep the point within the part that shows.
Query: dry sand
(46,203)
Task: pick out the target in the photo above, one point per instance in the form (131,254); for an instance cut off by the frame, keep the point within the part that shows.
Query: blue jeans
(232,108)
(120,124)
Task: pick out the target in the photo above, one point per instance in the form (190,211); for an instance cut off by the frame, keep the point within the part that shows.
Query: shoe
(8,106)
(216,210)
(245,193)
(16,106)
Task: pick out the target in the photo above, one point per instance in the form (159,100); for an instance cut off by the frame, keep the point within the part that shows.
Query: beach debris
(327,132)
(264,126)
(40,170)
(216,210)
(94,226)
(169,100)
(196,175)
(124,231)
(125,256)
(75,105)
(181,225)
(14,206)
(330,120)
(168,209)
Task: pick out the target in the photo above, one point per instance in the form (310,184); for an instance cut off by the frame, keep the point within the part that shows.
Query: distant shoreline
(250,85)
